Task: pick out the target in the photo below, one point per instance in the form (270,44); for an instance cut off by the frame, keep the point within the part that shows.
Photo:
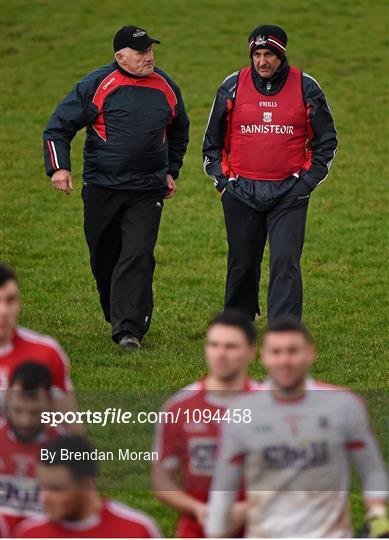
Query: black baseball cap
(134,37)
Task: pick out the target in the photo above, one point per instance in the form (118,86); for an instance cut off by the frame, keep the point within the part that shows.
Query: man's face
(139,63)
(266,62)
(61,495)
(287,357)
(9,308)
(228,352)
(24,411)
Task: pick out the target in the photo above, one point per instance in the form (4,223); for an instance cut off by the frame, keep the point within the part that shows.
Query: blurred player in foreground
(73,505)
(18,344)
(294,455)
(189,446)
(21,438)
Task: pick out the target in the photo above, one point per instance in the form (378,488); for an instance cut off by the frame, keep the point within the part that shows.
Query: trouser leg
(132,278)
(246,236)
(286,230)
(102,232)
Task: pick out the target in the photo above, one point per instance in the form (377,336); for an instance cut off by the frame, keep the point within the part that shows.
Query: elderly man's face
(139,63)
(266,62)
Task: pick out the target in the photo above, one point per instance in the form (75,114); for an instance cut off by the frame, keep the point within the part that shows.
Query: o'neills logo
(108,83)
(267,128)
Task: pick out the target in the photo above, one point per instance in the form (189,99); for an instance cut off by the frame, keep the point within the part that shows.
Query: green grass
(48,45)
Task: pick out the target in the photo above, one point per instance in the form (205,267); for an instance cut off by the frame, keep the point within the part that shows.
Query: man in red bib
(269,142)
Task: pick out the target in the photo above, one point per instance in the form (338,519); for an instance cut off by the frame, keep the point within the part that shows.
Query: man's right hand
(62,180)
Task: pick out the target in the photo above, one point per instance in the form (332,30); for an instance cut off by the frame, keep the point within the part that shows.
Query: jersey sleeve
(147,529)
(29,528)
(322,137)
(364,450)
(60,369)
(216,143)
(73,113)
(125,522)
(167,442)
(227,479)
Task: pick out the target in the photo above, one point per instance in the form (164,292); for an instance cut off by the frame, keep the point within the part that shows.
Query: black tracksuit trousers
(121,229)
(281,219)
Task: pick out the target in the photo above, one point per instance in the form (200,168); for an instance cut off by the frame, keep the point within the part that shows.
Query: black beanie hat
(269,37)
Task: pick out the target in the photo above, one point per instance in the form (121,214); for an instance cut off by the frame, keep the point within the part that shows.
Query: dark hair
(236,319)
(6,274)
(79,468)
(288,323)
(32,376)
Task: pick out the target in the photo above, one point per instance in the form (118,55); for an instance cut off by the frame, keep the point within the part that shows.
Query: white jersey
(294,460)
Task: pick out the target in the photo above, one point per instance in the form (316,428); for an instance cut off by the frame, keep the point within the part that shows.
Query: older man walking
(270,141)
(136,137)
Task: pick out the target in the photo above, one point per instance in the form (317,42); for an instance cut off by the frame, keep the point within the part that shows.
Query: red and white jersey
(190,445)
(294,457)
(115,520)
(29,345)
(19,490)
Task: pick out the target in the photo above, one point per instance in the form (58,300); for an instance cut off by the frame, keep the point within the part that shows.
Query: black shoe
(130,343)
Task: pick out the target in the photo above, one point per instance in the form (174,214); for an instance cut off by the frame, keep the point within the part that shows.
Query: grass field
(46,46)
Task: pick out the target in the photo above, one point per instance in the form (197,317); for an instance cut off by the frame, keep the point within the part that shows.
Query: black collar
(126,73)
(271,86)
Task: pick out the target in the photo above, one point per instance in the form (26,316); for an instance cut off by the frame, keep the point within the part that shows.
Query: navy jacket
(136,129)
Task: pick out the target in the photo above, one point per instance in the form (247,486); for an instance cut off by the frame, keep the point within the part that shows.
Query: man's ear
(311,352)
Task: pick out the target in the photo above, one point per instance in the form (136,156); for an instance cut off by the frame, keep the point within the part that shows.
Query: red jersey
(29,345)
(190,446)
(19,490)
(115,520)
(268,138)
